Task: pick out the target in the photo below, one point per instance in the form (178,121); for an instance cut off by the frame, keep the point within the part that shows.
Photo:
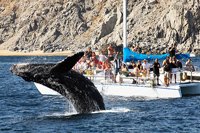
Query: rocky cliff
(58,25)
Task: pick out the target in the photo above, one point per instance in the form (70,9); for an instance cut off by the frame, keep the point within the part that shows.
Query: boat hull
(128,90)
(188,89)
(140,91)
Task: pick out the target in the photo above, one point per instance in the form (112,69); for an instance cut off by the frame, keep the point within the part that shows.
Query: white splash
(68,114)
(114,110)
(65,114)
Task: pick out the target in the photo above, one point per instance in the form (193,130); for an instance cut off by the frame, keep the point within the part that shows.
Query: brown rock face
(58,25)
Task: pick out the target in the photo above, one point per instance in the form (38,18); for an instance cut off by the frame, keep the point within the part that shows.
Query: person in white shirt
(146,66)
(102,57)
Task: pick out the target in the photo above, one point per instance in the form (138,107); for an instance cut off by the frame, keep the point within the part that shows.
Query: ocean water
(24,109)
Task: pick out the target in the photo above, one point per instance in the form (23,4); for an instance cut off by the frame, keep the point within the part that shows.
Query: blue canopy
(129,55)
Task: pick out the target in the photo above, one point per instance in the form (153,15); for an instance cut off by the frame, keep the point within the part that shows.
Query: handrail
(130,77)
(139,80)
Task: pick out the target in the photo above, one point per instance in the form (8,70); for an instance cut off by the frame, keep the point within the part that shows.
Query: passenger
(146,65)
(92,64)
(94,58)
(110,52)
(189,65)
(124,70)
(143,72)
(167,59)
(172,51)
(83,66)
(173,65)
(131,65)
(102,58)
(156,72)
(117,65)
(108,70)
(139,64)
(136,71)
(167,70)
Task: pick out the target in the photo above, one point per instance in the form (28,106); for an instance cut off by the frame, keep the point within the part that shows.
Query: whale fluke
(60,77)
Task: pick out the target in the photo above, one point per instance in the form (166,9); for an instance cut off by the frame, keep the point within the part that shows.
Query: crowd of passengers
(111,62)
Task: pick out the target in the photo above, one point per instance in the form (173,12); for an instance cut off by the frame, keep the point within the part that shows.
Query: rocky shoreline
(62,25)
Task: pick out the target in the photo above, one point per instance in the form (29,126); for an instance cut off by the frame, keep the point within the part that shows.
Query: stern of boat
(189,89)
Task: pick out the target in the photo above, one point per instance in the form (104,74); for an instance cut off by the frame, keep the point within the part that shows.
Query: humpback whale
(60,77)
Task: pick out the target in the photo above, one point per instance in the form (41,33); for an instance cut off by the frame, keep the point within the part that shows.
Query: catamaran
(144,87)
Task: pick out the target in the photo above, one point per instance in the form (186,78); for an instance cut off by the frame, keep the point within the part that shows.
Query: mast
(124,24)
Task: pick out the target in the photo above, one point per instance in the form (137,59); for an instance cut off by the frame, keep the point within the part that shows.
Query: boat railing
(108,79)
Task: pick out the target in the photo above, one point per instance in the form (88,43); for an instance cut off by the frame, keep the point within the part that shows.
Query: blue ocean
(24,110)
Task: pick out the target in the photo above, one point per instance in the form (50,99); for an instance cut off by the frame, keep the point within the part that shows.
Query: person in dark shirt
(131,65)
(156,67)
(172,51)
(117,65)
(139,64)
(173,65)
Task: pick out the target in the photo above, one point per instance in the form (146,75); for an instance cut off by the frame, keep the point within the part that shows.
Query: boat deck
(145,87)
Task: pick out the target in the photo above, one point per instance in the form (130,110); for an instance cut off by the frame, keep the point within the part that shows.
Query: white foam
(60,115)
(67,114)
(114,110)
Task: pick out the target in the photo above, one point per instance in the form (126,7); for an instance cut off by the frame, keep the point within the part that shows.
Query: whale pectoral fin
(67,64)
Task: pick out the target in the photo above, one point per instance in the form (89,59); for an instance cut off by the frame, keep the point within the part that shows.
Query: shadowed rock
(79,90)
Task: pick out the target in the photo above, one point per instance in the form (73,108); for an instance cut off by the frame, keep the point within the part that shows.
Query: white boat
(143,88)
(127,89)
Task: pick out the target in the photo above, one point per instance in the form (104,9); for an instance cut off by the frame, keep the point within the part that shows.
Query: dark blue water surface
(24,109)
